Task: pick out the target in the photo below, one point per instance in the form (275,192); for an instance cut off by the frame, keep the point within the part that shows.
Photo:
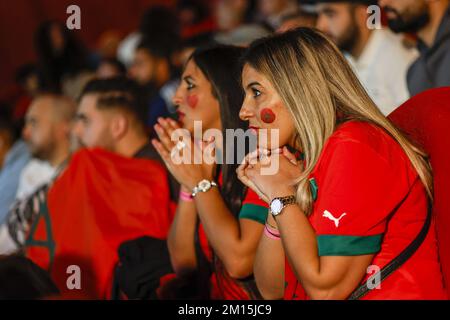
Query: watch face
(276,206)
(204,185)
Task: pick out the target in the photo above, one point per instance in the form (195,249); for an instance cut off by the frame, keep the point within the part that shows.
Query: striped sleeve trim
(333,245)
(254,212)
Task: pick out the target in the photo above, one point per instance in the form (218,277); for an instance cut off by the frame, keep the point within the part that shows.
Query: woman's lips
(254,129)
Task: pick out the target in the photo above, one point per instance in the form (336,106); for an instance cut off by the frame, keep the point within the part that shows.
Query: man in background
(430,20)
(47,133)
(378,57)
(118,191)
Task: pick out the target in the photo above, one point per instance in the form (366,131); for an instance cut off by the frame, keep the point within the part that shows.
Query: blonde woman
(357,199)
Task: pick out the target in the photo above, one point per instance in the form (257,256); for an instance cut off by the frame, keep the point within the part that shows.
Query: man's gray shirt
(432,68)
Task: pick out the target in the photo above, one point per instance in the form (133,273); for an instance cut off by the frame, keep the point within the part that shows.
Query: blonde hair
(318,87)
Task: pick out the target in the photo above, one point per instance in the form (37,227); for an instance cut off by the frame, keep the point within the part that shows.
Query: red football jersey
(363,175)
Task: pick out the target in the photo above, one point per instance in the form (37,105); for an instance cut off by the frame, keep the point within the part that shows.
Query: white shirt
(35,174)
(382,69)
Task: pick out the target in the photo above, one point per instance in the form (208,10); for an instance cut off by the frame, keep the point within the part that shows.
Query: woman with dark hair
(231,217)
(59,55)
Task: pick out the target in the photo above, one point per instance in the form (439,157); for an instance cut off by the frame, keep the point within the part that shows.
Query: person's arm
(326,277)
(349,217)
(269,267)
(181,237)
(234,241)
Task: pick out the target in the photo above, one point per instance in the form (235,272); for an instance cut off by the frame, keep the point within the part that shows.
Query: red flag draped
(100,201)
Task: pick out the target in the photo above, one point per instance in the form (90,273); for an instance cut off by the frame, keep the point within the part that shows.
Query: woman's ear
(119,126)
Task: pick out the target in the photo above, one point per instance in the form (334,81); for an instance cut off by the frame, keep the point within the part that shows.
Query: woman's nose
(246,112)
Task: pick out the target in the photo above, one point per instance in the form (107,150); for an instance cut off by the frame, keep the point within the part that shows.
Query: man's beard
(414,24)
(41,153)
(348,41)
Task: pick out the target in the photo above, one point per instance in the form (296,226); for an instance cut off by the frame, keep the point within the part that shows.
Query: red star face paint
(192,101)
(267,115)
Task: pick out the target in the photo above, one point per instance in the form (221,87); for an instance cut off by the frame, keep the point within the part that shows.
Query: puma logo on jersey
(329,215)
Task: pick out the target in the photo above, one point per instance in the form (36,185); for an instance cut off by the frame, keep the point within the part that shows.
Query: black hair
(54,65)
(21,279)
(161,46)
(220,65)
(119,92)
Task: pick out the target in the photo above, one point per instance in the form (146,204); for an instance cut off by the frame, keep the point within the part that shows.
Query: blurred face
(298,22)
(406,15)
(229,13)
(271,7)
(143,69)
(107,70)
(337,21)
(263,109)
(93,125)
(41,130)
(195,100)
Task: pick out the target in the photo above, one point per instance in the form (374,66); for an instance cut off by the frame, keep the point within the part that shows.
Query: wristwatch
(278,204)
(203,186)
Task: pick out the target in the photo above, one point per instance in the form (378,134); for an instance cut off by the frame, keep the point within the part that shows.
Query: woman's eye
(256,93)
(190,86)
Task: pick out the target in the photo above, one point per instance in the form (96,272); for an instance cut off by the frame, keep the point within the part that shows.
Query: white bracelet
(203,186)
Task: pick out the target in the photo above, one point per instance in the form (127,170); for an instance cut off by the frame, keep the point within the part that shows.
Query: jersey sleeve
(357,191)
(253,208)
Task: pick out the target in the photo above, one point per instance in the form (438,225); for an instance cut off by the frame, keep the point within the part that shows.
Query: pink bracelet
(271,235)
(186,196)
(272,230)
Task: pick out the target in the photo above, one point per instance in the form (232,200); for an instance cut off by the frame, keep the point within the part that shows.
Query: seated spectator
(430,20)
(153,70)
(332,223)
(378,56)
(47,133)
(110,68)
(272,11)
(156,20)
(117,192)
(215,232)
(234,26)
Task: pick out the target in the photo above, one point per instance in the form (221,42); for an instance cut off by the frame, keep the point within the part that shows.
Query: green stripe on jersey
(254,212)
(334,245)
